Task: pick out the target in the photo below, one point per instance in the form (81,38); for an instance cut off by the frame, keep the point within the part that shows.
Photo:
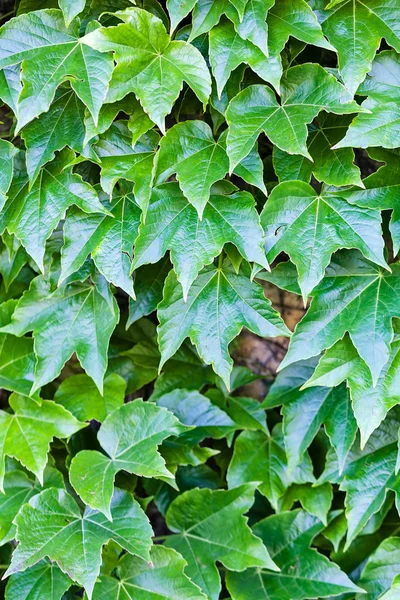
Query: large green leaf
(130,436)
(80,396)
(258,457)
(305,91)
(119,160)
(370,403)
(150,64)
(309,227)
(26,433)
(43,581)
(52,53)
(342,302)
(305,410)
(210,526)
(304,572)
(220,302)
(32,213)
(7,153)
(231,218)
(381,570)
(78,317)
(52,525)
(109,239)
(136,579)
(355,29)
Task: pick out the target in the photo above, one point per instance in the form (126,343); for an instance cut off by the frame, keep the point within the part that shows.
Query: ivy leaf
(109,240)
(189,150)
(137,579)
(17,359)
(80,396)
(210,526)
(382,82)
(7,153)
(142,43)
(253,26)
(370,403)
(89,316)
(324,406)
(61,126)
(378,127)
(225,219)
(149,285)
(130,436)
(19,489)
(356,29)
(118,160)
(10,86)
(310,227)
(43,581)
(342,302)
(381,570)
(305,91)
(178,10)
(195,410)
(33,213)
(206,14)
(26,433)
(212,324)
(305,573)
(258,457)
(71,9)
(228,50)
(75,541)
(52,53)
(381,190)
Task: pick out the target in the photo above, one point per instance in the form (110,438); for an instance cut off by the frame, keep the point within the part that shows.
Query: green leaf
(310,227)
(253,26)
(189,150)
(7,153)
(305,91)
(356,29)
(118,160)
(370,403)
(210,526)
(52,53)
(19,489)
(228,50)
(74,541)
(304,412)
(381,570)
(108,239)
(206,14)
(61,126)
(316,500)
(382,82)
(220,302)
(33,213)
(178,10)
(142,44)
(79,317)
(262,458)
(342,303)
(149,285)
(304,572)
(130,436)
(195,410)
(10,86)
(163,578)
(378,127)
(225,219)
(26,433)
(381,190)
(17,359)
(80,396)
(71,8)
(43,581)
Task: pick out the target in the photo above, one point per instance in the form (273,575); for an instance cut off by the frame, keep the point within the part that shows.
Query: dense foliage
(165,167)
